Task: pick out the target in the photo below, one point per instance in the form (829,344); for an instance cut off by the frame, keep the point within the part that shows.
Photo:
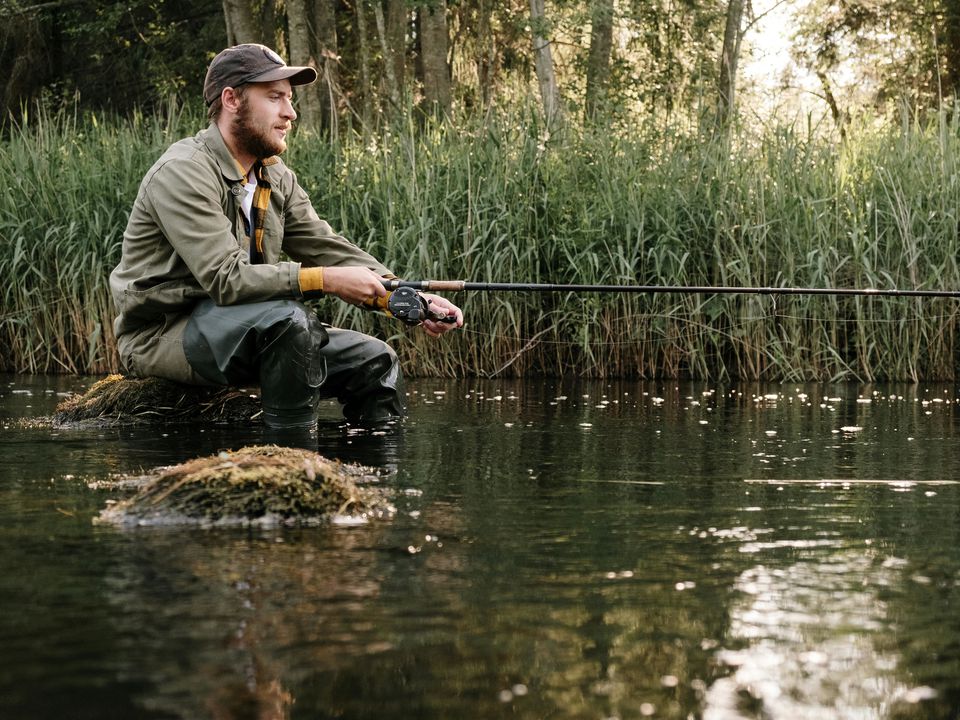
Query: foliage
(871,55)
(124,56)
(894,52)
(117,56)
(498,199)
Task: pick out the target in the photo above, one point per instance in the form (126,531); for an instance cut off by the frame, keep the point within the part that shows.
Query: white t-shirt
(246,204)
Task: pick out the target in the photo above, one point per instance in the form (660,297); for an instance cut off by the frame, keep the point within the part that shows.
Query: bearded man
(202,294)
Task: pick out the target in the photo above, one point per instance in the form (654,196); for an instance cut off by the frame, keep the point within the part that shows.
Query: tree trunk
(268,28)
(325,37)
(598,61)
(239,19)
(360,14)
(546,77)
(839,117)
(729,57)
(301,53)
(393,89)
(951,50)
(22,48)
(433,51)
(486,61)
(398,21)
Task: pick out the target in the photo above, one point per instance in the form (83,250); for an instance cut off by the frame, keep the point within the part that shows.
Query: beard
(254,137)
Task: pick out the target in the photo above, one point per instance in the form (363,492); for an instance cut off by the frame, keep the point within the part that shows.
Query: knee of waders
(292,345)
(379,364)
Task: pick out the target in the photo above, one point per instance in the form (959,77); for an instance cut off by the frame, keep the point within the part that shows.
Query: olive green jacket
(186,240)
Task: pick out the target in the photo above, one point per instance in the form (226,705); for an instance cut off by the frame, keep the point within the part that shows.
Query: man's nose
(288,111)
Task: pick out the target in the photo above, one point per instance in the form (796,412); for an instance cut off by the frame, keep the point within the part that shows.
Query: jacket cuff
(311,280)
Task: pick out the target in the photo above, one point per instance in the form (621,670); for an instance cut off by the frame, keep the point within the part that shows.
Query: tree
(853,38)
(389,64)
(433,53)
(729,58)
(598,62)
(546,77)
(671,49)
(398,23)
(238,17)
(363,45)
(26,60)
(105,55)
(301,42)
(327,54)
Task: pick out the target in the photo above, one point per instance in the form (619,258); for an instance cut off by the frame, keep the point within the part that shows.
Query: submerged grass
(497,199)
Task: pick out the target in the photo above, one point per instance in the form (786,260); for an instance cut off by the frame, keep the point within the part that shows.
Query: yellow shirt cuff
(311,279)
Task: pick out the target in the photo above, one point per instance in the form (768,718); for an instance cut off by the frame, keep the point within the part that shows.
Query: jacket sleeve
(312,241)
(184,197)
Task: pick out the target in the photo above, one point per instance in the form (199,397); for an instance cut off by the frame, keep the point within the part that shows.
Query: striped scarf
(258,212)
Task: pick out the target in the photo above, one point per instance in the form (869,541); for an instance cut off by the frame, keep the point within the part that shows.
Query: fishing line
(682,317)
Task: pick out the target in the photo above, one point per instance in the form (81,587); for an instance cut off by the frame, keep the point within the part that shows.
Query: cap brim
(296,75)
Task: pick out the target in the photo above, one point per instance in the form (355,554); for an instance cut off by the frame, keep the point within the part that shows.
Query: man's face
(264,117)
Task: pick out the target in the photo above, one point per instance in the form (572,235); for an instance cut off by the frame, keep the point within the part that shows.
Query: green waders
(296,359)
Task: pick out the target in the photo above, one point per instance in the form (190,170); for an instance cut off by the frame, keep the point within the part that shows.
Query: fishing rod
(462,285)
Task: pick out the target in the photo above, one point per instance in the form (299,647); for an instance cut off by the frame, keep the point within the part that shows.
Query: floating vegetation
(117,400)
(263,485)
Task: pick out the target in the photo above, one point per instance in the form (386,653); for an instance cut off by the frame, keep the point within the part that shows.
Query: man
(202,294)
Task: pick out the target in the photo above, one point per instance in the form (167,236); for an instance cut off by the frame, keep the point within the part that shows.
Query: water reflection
(804,635)
(562,549)
(212,617)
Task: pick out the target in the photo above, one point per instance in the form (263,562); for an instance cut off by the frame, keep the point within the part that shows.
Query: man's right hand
(353,284)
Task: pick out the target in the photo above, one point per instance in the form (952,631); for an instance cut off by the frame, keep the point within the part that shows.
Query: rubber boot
(364,375)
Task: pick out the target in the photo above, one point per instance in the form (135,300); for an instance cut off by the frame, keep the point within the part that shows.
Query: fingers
(436,328)
(353,284)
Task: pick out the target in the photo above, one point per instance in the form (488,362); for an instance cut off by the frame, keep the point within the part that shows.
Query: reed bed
(498,199)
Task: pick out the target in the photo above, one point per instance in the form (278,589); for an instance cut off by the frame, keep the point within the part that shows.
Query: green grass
(494,199)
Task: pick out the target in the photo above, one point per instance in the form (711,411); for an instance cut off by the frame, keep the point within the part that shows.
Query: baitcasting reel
(410,307)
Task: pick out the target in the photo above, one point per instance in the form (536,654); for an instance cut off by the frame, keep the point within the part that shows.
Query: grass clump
(264,484)
(116,400)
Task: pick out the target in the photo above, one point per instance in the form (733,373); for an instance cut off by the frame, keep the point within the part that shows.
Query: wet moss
(265,483)
(118,400)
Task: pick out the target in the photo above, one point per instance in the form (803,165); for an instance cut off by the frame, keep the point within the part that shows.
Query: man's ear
(230,99)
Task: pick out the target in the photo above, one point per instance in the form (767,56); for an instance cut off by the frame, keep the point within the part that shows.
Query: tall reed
(71,180)
(497,198)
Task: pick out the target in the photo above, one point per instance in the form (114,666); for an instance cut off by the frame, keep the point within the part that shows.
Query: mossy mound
(117,400)
(263,484)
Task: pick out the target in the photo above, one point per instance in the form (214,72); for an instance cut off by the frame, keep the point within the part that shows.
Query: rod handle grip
(448,285)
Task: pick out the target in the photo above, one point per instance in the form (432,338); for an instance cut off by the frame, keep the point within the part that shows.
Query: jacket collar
(229,167)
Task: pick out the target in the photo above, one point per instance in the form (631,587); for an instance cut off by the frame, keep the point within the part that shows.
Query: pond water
(561,549)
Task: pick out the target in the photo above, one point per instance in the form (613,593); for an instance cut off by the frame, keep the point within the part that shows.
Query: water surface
(561,549)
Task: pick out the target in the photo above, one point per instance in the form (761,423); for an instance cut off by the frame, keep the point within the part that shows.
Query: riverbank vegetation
(588,141)
(499,198)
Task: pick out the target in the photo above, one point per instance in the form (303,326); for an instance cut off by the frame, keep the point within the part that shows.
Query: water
(561,549)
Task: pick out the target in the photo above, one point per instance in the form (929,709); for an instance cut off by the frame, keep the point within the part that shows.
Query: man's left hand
(436,328)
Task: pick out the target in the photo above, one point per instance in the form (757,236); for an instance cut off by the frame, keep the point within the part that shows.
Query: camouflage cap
(249,63)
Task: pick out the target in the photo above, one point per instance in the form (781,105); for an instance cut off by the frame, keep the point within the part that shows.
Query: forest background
(809,143)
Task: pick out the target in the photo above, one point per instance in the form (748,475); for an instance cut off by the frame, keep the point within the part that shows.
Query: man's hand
(439,305)
(353,284)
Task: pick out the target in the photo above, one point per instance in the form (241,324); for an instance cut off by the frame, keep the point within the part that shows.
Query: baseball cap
(247,63)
